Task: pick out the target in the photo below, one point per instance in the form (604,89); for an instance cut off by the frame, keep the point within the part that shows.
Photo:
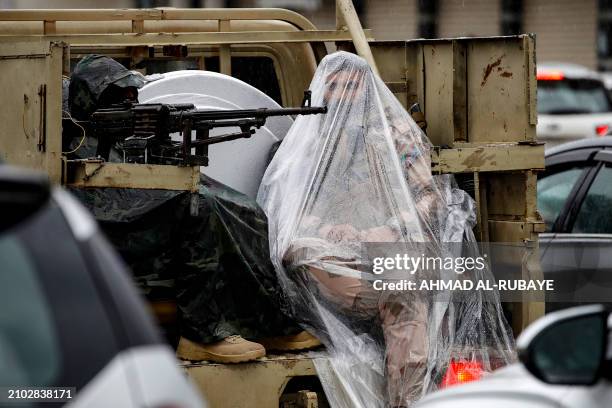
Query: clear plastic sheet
(362,173)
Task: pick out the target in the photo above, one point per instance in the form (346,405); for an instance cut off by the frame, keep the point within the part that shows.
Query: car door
(54,329)
(576,250)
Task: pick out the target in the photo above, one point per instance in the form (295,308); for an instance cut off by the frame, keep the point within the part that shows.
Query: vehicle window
(153,66)
(258,72)
(29,346)
(594,216)
(53,326)
(553,190)
(570,96)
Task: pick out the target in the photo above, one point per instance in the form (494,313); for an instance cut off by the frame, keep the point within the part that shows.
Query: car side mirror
(566,347)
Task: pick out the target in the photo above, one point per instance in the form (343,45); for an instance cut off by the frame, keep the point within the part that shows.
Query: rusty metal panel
(438,107)
(256,384)
(498,99)
(216,38)
(459,91)
(97,173)
(479,99)
(513,194)
(485,88)
(390,57)
(532,83)
(531,198)
(225,56)
(415,75)
(489,158)
(482,208)
(32,95)
(510,231)
(484,123)
(103,16)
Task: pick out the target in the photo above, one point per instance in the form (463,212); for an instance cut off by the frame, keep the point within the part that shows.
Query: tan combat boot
(301,341)
(232,349)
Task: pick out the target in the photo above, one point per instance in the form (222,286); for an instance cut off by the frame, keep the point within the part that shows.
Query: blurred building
(567,30)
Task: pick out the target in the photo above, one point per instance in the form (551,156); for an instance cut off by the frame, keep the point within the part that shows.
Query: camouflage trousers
(401,320)
(215,264)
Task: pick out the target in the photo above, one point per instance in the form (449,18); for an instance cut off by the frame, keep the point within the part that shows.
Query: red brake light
(602,130)
(461,372)
(550,75)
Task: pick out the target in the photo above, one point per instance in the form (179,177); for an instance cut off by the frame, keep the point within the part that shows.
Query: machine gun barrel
(252,113)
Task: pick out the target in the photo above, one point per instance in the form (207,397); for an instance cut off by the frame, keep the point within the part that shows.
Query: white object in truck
(240,163)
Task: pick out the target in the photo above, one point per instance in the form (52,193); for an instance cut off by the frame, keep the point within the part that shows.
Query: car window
(553,190)
(53,326)
(594,215)
(29,346)
(572,96)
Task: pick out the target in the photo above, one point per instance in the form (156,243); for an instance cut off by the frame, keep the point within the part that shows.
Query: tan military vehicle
(478,97)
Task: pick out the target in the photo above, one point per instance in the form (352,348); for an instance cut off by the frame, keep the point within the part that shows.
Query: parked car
(69,315)
(575,200)
(564,362)
(573,104)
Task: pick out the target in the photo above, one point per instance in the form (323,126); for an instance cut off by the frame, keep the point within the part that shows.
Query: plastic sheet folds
(362,174)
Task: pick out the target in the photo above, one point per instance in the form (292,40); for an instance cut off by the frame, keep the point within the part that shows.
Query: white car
(565,363)
(573,104)
(72,326)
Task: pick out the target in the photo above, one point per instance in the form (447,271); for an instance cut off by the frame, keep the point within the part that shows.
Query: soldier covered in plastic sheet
(362,173)
(214,261)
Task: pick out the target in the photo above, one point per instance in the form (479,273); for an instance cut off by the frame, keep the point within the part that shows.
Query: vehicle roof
(573,71)
(592,143)
(607,78)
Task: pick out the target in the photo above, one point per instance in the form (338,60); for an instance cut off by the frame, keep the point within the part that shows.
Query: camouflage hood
(91,76)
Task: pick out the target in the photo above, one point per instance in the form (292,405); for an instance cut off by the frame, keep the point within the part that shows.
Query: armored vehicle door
(478,97)
(31,84)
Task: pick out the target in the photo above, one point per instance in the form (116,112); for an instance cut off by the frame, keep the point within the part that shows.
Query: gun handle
(186,133)
(202,134)
(104,147)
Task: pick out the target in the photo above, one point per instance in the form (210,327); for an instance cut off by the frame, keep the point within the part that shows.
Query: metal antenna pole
(346,16)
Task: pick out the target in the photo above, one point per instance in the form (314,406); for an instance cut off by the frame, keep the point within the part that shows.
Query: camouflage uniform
(216,264)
